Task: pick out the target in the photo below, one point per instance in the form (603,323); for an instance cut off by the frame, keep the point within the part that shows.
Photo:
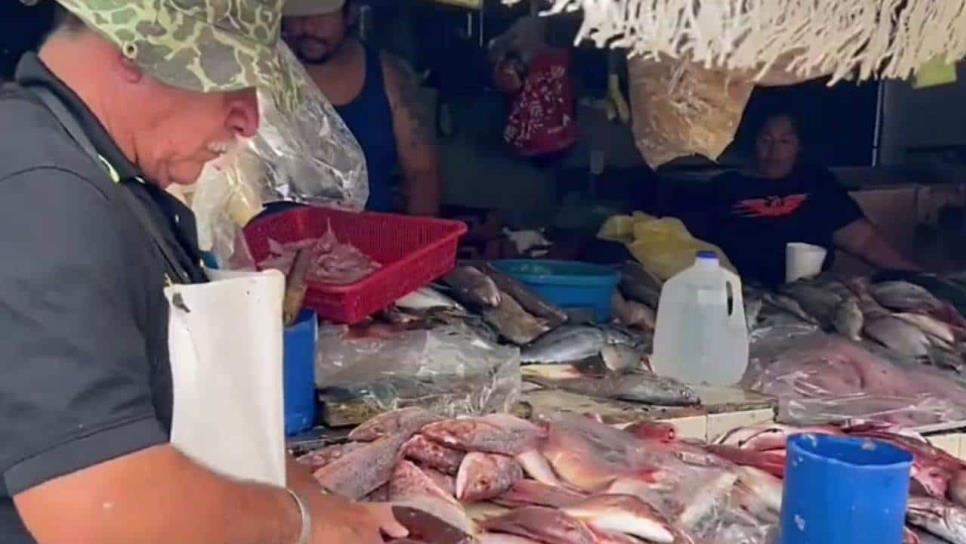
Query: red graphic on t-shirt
(772,206)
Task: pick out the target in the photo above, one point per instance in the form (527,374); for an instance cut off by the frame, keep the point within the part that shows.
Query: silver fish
(567,344)
(904,296)
(643,387)
(818,302)
(941,518)
(621,358)
(788,305)
(849,319)
(472,287)
(899,336)
(513,322)
(931,326)
(427,298)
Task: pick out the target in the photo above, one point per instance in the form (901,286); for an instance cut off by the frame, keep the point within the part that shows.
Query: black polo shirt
(84,369)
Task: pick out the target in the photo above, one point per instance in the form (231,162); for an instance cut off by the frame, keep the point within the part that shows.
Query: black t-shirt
(755,218)
(84,369)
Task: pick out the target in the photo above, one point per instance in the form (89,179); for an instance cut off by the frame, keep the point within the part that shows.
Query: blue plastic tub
(843,491)
(567,284)
(299,372)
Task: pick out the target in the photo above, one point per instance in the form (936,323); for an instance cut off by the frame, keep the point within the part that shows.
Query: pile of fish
(902,317)
(498,479)
(599,360)
(937,504)
(332,262)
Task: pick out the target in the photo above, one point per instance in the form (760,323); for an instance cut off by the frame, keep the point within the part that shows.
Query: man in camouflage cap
(124,98)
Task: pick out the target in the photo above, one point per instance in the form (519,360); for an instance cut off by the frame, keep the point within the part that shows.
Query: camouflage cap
(198,45)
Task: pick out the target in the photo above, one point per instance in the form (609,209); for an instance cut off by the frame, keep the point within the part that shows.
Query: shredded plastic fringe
(847,39)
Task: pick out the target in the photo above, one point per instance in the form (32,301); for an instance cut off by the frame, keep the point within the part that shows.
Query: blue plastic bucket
(843,491)
(299,372)
(568,284)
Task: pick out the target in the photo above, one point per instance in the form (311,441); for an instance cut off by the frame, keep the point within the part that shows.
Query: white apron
(225,343)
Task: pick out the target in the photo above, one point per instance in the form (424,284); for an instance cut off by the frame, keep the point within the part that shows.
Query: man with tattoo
(376,95)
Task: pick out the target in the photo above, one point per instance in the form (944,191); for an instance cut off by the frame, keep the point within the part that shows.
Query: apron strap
(134,204)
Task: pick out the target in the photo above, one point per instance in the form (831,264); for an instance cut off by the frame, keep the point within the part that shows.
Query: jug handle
(737,298)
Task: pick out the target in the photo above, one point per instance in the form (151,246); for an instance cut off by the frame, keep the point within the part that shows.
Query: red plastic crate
(413,251)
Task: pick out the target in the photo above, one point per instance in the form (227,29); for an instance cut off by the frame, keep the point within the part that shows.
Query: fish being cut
(360,472)
(941,518)
(472,287)
(483,476)
(409,481)
(531,493)
(503,434)
(624,514)
(405,421)
(513,322)
(567,344)
(546,525)
(431,454)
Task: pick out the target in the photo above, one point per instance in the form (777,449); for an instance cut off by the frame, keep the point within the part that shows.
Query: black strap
(73,128)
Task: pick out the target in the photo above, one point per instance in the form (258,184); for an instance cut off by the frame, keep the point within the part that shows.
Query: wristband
(306,533)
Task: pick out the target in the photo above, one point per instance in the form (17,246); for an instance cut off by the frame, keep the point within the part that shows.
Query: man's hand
(339,521)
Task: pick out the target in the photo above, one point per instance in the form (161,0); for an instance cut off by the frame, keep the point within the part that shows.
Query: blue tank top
(369,117)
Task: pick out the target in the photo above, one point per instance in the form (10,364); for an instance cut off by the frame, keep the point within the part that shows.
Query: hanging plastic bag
(663,245)
(307,155)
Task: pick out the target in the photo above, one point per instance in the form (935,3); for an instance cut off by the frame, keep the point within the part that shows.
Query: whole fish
(483,476)
(431,454)
(409,481)
(434,521)
(513,322)
(899,336)
(849,319)
(546,525)
(362,471)
(472,287)
(643,387)
(567,344)
(638,284)
(818,302)
(941,518)
(624,514)
(903,296)
(426,298)
(621,358)
(528,299)
(788,305)
(503,434)
(406,421)
(930,325)
(632,313)
(531,493)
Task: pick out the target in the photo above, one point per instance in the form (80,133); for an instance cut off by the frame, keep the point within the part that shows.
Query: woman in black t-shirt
(757,214)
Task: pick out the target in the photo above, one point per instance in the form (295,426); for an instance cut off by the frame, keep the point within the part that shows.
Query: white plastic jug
(701,334)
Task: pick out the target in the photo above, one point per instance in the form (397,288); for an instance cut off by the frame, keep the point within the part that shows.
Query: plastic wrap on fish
(447,370)
(698,493)
(820,378)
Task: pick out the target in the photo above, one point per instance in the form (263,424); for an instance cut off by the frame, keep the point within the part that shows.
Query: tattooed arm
(418,155)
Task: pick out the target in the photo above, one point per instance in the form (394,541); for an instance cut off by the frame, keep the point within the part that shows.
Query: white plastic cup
(803,261)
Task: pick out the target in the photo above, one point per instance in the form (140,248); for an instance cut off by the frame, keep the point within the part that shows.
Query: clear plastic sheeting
(446,370)
(307,156)
(820,378)
(698,493)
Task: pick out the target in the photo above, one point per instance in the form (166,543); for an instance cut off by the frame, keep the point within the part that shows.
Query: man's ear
(129,70)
